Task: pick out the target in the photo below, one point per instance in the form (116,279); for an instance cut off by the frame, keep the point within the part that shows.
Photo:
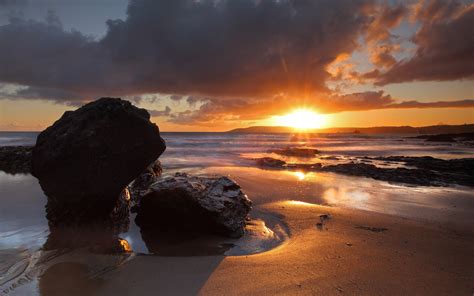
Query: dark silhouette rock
(15,159)
(427,171)
(270,162)
(296,152)
(194,204)
(306,167)
(86,158)
(450,138)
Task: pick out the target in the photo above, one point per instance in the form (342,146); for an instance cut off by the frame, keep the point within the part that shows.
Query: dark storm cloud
(445,45)
(227,48)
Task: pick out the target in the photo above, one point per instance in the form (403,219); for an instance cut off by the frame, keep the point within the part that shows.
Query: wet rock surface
(15,159)
(199,204)
(141,184)
(270,162)
(427,171)
(296,152)
(452,138)
(87,157)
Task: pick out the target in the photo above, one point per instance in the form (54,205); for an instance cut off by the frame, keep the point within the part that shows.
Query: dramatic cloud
(166,112)
(445,44)
(219,48)
(232,59)
(216,110)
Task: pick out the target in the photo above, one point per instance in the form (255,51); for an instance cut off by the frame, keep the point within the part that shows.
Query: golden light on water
(299,175)
(302,119)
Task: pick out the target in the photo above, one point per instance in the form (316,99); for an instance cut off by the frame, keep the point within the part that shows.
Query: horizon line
(277,126)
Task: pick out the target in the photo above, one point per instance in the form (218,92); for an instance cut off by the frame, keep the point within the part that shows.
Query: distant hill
(424,130)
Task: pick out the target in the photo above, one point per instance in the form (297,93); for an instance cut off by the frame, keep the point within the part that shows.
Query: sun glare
(302,119)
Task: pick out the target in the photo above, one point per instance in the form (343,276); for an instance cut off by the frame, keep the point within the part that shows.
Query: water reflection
(439,204)
(300,175)
(94,239)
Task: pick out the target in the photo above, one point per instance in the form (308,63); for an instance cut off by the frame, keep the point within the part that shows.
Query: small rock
(373,229)
(297,152)
(270,162)
(324,217)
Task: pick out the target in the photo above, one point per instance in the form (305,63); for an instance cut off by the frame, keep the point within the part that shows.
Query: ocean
(190,150)
(24,227)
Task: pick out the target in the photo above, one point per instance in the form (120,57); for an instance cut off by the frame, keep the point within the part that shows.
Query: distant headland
(433,129)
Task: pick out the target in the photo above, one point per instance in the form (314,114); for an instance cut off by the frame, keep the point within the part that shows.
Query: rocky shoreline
(426,171)
(98,161)
(451,138)
(423,171)
(16,159)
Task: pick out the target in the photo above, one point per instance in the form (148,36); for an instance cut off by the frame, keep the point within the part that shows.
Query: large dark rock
(86,158)
(194,204)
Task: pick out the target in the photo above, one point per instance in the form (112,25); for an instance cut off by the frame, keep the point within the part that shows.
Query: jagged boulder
(86,158)
(140,185)
(203,204)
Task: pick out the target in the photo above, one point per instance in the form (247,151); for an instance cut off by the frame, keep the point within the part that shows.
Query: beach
(408,258)
(310,233)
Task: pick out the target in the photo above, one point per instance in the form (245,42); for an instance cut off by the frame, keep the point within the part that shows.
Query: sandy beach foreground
(354,252)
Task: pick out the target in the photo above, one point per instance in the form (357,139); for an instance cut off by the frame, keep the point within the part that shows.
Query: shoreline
(344,256)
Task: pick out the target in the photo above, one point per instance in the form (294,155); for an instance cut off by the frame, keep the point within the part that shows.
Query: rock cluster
(86,158)
(296,152)
(209,204)
(94,161)
(15,159)
(427,171)
(451,138)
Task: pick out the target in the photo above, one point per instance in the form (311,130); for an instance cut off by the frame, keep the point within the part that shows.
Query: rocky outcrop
(273,163)
(296,152)
(15,159)
(270,162)
(199,204)
(451,138)
(87,157)
(427,171)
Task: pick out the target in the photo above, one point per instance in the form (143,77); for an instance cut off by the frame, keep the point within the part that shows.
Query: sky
(214,65)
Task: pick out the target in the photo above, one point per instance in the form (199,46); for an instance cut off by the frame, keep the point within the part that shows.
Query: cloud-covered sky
(199,62)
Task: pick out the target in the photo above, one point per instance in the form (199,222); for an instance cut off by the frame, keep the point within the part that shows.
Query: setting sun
(302,119)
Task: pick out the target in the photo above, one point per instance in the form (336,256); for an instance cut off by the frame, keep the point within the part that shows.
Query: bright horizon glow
(302,119)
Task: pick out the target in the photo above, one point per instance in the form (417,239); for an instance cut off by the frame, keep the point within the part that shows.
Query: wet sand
(344,256)
(379,239)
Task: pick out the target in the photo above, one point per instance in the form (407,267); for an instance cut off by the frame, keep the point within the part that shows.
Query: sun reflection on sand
(298,203)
